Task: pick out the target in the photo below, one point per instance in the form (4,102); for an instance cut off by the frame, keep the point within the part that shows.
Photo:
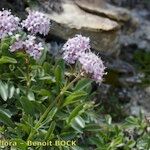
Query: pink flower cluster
(78,49)
(74,47)
(29,45)
(8,23)
(92,65)
(32,48)
(37,22)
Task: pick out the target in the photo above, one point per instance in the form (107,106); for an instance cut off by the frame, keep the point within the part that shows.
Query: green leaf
(68,135)
(21,144)
(80,121)
(50,115)
(5,118)
(43,57)
(131,144)
(31,96)
(27,105)
(75,113)
(50,130)
(108,119)
(3,90)
(11,91)
(48,78)
(61,63)
(82,84)
(47,66)
(44,92)
(132,121)
(25,127)
(78,124)
(21,54)
(5,60)
(4,46)
(74,97)
(93,128)
(58,74)
(115,143)
(77,148)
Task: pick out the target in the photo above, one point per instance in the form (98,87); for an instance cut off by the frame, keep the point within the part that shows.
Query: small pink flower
(18,45)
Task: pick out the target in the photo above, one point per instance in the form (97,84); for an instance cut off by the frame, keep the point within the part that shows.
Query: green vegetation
(46,100)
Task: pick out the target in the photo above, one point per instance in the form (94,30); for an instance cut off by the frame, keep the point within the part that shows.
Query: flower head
(32,48)
(74,47)
(29,45)
(8,23)
(93,65)
(37,22)
(18,45)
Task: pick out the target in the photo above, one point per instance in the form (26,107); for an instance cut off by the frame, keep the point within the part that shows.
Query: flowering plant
(40,92)
(36,22)
(47,103)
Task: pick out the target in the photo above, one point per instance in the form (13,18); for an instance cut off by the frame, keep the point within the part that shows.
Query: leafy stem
(28,80)
(64,89)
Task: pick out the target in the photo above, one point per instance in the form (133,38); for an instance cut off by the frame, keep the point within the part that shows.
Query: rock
(50,5)
(132,80)
(131,3)
(121,66)
(104,9)
(141,36)
(147,89)
(102,31)
(16,6)
(140,98)
(135,110)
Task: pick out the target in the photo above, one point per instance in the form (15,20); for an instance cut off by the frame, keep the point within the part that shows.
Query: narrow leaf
(75,96)
(58,74)
(50,115)
(82,84)
(5,118)
(75,113)
(11,91)
(50,130)
(3,90)
(78,124)
(27,105)
(5,60)
(31,96)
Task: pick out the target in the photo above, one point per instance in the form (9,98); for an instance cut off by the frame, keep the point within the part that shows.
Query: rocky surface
(102,27)
(50,6)
(100,21)
(139,101)
(75,21)
(131,3)
(140,38)
(104,9)
(17,6)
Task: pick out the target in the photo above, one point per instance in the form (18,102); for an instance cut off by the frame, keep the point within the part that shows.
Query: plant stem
(28,75)
(50,106)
